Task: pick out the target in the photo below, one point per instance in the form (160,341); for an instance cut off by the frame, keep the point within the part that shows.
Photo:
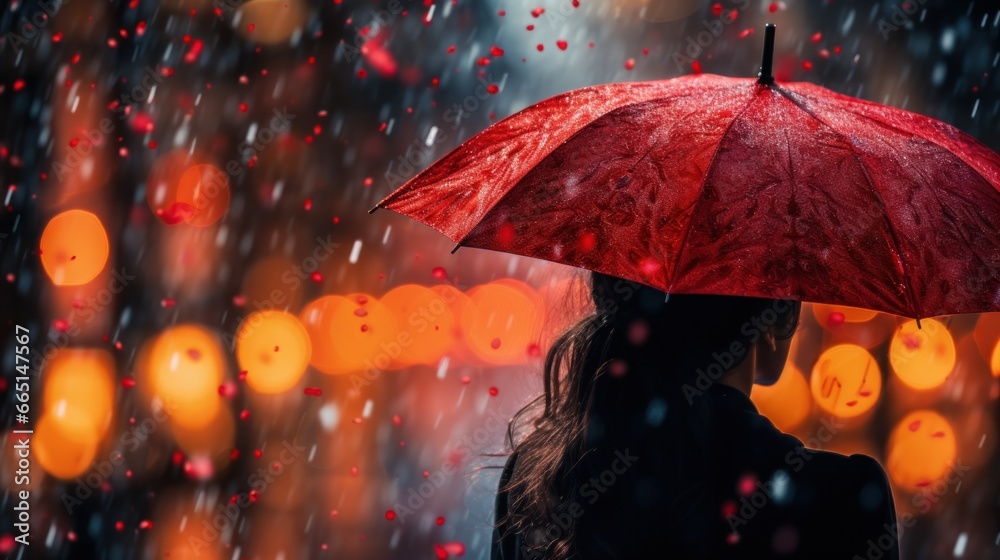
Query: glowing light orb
(921,449)
(212,442)
(59,452)
(500,323)
(833,316)
(458,302)
(786,403)
(186,367)
(271,21)
(922,358)
(987,338)
(205,189)
(846,381)
(315,317)
(363,335)
(79,392)
(426,324)
(182,188)
(74,248)
(274,349)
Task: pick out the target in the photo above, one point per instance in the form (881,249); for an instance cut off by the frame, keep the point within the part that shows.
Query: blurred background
(232,359)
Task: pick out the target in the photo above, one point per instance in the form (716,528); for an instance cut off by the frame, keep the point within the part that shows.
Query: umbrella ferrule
(765,76)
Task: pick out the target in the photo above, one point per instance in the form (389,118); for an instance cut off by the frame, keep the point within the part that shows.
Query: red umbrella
(713,185)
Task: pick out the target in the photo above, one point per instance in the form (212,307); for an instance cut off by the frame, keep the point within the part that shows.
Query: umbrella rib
(701,187)
(905,131)
(878,196)
(961,232)
(932,141)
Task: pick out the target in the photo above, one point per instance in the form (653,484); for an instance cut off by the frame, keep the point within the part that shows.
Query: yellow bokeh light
(785,403)
(274,349)
(186,367)
(922,358)
(426,324)
(846,381)
(79,392)
(74,248)
(60,452)
(920,450)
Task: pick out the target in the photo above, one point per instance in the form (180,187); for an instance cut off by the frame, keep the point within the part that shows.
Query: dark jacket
(774,498)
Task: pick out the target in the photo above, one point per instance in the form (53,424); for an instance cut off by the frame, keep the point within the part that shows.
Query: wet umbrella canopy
(228,358)
(711,185)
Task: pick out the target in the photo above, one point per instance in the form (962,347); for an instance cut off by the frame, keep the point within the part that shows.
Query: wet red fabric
(715,185)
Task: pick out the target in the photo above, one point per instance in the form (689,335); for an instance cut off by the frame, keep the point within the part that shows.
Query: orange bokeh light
(79,392)
(272,21)
(846,381)
(363,335)
(987,338)
(425,321)
(60,452)
(458,301)
(922,358)
(274,349)
(206,189)
(186,367)
(920,450)
(315,317)
(501,322)
(785,403)
(181,188)
(74,248)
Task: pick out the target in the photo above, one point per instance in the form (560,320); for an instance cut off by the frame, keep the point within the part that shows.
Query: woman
(648,446)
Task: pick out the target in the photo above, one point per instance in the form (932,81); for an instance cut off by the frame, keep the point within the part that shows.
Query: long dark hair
(623,400)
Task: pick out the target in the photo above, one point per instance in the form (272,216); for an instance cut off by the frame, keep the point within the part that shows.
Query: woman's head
(604,375)
(702,337)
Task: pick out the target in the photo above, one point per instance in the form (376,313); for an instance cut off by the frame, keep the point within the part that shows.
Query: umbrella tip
(765,76)
(457,247)
(372,211)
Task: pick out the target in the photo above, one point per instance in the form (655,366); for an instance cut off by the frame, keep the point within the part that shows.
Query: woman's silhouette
(648,446)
